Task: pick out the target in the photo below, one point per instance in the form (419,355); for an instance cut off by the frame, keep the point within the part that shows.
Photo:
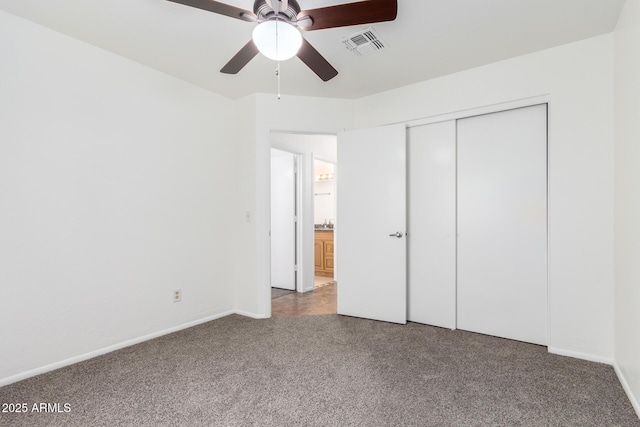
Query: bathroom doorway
(315,269)
(324,206)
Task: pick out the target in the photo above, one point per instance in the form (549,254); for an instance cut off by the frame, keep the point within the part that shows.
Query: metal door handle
(398,235)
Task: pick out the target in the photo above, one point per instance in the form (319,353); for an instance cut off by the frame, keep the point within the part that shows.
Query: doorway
(313,293)
(324,207)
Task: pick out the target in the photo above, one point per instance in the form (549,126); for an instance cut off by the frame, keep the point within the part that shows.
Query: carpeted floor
(326,371)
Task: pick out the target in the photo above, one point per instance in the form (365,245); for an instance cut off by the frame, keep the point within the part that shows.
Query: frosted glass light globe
(277,40)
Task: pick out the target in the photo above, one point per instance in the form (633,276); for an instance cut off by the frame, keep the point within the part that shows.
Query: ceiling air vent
(364,42)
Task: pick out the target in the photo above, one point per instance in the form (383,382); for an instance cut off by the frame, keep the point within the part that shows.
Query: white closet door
(502,224)
(432,224)
(371,223)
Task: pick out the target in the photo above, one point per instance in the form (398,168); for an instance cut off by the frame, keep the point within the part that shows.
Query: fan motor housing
(264,12)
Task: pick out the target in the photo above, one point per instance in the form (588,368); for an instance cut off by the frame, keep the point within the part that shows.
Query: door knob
(398,235)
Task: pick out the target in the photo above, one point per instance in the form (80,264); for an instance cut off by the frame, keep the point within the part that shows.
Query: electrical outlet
(177,295)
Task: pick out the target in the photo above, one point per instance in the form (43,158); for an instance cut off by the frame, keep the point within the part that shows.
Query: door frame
(335,206)
(304,208)
(479,111)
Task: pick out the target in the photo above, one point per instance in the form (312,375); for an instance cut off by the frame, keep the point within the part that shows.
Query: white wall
(324,190)
(579,81)
(246,251)
(321,146)
(290,114)
(114,190)
(324,202)
(627,200)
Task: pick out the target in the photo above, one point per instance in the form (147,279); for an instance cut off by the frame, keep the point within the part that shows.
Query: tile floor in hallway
(322,300)
(319,281)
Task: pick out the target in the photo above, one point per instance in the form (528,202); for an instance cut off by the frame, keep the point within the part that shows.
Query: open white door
(283,225)
(371,224)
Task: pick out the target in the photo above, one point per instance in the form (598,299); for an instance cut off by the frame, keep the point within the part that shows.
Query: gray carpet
(326,371)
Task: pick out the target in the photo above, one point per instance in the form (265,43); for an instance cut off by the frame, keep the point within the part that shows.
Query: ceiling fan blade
(343,15)
(242,58)
(220,8)
(312,58)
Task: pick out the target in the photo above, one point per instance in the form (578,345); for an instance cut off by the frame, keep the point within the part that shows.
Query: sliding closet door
(431,162)
(502,226)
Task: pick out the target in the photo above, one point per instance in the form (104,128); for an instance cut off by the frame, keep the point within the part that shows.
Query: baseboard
(90,355)
(248,314)
(627,389)
(578,355)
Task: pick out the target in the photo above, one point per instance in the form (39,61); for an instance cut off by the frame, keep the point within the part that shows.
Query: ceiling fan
(279,19)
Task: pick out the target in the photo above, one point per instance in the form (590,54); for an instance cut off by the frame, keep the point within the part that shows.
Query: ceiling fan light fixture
(277,40)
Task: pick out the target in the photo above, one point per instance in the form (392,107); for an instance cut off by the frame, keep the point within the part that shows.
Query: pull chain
(278,76)
(277,54)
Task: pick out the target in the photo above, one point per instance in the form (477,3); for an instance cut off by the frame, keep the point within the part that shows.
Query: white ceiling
(429,38)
